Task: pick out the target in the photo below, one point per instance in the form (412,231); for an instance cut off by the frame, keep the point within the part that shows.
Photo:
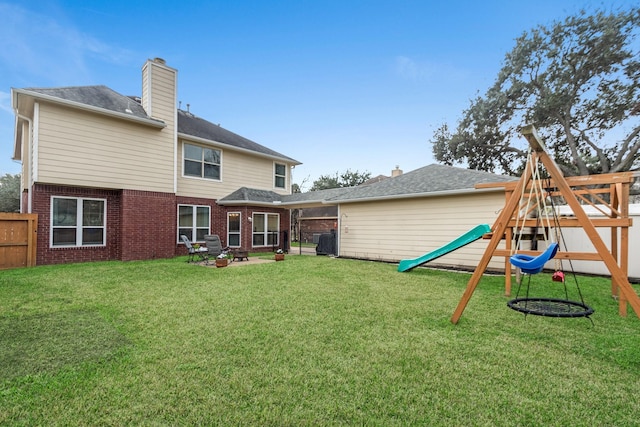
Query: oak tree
(577,81)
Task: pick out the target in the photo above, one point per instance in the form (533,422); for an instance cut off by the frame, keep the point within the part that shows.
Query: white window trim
(194,228)
(266,232)
(78,226)
(275,175)
(201,178)
(239,231)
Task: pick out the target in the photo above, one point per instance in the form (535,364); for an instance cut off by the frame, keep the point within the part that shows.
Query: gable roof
(102,99)
(431,180)
(428,181)
(253,196)
(189,125)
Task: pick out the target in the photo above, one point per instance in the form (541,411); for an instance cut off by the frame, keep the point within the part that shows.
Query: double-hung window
(78,221)
(193,222)
(266,229)
(280,175)
(201,162)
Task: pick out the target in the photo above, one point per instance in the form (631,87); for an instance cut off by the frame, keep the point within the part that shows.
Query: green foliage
(578,81)
(345,343)
(346,179)
(295,188)
(10,193)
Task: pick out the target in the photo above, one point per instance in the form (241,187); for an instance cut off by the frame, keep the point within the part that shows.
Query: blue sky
(336,85)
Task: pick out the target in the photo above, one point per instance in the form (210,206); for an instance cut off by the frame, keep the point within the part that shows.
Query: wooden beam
(578,256)
(498,229)
(616,272)
(573,181)
(505,222)
(574,222)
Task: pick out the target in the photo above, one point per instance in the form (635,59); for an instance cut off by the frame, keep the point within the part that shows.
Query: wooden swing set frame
(585,188)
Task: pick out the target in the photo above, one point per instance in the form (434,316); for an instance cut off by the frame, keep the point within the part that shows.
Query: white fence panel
(577,241)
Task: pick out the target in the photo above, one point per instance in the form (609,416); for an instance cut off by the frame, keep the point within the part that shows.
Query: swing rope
(558,230)
(527,263)
(552,307)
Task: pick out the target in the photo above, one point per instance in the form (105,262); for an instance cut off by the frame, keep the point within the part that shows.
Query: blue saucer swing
(532,265)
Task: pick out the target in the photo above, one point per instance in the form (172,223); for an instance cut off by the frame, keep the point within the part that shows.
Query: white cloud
(53,51)
(409,69)
(413,70)
(5,102)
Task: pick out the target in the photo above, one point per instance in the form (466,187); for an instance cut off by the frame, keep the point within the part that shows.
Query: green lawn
(308,341)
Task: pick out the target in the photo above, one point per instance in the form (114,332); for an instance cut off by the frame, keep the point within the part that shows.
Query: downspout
(28,177)
(339,231)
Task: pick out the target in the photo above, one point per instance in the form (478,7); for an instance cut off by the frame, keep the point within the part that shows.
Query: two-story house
(113,177)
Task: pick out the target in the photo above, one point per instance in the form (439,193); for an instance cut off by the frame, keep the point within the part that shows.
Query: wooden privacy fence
(18,240)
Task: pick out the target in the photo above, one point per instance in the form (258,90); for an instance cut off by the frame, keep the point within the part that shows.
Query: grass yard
(308,341)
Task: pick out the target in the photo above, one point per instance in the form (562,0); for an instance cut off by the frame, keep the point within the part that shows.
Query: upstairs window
(280,178)
(78,222)
(201,162)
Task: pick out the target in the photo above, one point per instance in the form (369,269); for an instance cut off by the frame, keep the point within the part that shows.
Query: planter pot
(222,262)
(279,257)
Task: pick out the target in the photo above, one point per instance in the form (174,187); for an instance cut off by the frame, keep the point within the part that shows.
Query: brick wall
(41,204)
(140,224)
(148,225)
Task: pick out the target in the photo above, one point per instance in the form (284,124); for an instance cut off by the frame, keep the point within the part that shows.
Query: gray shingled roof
(95,96)
(246,195)
(189,124)
(315,196)
(251,195)
(427,180)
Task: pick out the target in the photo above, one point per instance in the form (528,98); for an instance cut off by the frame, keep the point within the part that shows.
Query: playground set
(530,206)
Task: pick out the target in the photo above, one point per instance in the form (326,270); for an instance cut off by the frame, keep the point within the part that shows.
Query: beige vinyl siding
(163,94)
(404,229)
(82,148)
(238,169)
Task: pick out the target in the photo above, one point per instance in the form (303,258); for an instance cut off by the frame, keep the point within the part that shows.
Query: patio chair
(214,246)
(202,254)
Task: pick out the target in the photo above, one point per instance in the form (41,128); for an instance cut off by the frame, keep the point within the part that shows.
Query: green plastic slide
(470,236)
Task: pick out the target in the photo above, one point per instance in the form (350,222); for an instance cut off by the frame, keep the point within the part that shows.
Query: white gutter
(175,133)
(28,177)
(125,116)
(251,203)
(414,195)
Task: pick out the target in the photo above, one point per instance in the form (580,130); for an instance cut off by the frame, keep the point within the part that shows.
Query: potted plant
(222,260)
(279,255)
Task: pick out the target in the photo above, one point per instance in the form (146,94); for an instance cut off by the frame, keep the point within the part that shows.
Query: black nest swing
(549,307)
